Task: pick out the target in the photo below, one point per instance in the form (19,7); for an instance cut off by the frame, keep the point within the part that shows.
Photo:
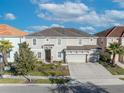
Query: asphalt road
(74,89)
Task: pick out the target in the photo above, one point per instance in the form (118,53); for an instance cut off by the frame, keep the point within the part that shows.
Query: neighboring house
(63,44)
(15,36)
(111,35)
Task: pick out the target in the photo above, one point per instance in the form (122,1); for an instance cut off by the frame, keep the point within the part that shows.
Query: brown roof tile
(105,32)
(58,31)
(117,31)
(6,30)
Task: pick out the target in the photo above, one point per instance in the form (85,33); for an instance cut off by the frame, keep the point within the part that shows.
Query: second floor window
(34,41)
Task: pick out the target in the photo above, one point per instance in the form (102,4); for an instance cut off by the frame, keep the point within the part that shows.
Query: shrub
(105,57)
(58,62)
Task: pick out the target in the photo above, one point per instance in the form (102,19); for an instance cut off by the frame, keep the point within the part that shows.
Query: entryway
(48,55)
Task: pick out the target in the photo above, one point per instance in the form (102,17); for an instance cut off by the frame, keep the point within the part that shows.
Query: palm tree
(5,48)
(114,49)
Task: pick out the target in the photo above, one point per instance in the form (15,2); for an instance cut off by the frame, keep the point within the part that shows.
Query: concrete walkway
(92,72)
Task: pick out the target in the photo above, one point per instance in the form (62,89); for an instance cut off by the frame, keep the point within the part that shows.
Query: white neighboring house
(63,44)
(15,36)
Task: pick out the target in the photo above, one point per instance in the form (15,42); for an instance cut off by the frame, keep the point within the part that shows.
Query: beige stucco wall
(65,41)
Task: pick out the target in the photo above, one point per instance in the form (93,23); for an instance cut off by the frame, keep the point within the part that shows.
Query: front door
(48,55)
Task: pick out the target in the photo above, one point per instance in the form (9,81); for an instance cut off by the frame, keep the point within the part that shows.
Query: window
(39,54)
(59,54)
(59,41)
(34,41)
(80,41)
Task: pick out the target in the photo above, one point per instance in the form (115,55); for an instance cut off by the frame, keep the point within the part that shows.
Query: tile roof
(6,30)
(117,31)
(58,31)
(85,47)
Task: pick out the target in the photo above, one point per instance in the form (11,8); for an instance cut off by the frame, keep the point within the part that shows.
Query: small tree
(5,48)
(114,49)
(24,60)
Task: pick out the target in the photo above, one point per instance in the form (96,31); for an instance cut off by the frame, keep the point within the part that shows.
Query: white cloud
(80,13)
(9,16)
(65,10)
(114,14)
(39,28)
(120,2)
(88,29)
(57,25)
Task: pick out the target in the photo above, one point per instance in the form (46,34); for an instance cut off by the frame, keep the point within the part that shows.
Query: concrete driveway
(92,72)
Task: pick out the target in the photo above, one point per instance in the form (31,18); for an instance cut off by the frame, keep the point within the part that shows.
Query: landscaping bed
(50,69)
(42,69)
(114,70)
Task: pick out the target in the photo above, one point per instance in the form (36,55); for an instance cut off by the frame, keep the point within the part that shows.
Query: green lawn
(12,81)
(21,81)
(34,73)
(42,81)
(114,70)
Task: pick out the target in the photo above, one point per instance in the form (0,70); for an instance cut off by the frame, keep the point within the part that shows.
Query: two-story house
(15,36)
(63,44)
(111,35)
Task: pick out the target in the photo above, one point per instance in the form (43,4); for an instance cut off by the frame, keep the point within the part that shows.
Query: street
(50,89)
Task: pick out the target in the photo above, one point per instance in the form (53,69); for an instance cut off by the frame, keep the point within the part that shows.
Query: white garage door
(74,58)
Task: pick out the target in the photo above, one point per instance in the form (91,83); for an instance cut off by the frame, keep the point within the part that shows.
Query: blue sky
(88,15)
